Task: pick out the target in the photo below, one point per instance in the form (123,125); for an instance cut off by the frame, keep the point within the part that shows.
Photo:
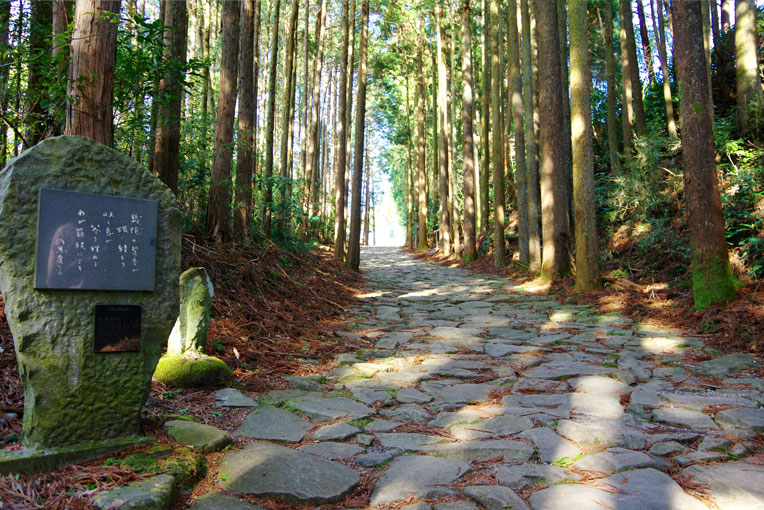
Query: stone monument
(89,264)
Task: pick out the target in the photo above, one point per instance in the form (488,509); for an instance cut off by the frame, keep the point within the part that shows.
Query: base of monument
(35,460)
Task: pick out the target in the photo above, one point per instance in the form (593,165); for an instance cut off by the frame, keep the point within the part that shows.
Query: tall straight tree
(584,213)
(341,144)
(5,60)
(516,104)
(612,88)
(167,145)
(287,118)
(532,181)
(242,211)
(40,27)
(554,178)
(468,165)
(629,44)
(663,54)
(485,94)
(219,203)
(712,279)
(311,161)
(645,38)
(255,83)
(443,136)
(420,140)
(749,94)
(353,260)
(270,120)
(497,127)
(90,85)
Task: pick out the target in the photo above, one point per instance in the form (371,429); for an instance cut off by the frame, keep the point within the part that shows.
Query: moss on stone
(193,371)
(185,464)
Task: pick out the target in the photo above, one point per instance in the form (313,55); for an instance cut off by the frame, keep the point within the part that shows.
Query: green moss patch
(186,465)
(193,372)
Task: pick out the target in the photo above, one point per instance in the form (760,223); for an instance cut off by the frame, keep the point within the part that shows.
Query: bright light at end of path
(388,229)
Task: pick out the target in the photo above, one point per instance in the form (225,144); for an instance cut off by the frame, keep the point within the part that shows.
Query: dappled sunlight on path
(475,392)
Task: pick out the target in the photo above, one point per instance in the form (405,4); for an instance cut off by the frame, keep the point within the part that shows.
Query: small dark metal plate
(117,328)
(95,242)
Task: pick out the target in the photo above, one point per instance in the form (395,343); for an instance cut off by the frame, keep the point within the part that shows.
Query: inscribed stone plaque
(75,398)
(95,242)
(117,328)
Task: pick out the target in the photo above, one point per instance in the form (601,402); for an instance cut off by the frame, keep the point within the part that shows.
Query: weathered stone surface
(469,451)
(520,476)
(615,459)
(462,393)
(202,437)
(680,417)
(733,485)
(265,469)
(156,493)
(191,370)
(409,440)
(274,424)
(495,497)
(411,413)
(741,418)
(637,490)
(190,331)
(456,505)
(407,476)
(219,501)
(666,448)
(381,425)
(551,447)
(333,408)
(231,397)
(411,395)
(375,458)
(335,432)
(727,365)
(74,395)
(332,450)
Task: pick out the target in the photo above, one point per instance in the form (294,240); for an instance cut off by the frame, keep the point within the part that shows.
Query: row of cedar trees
(229,215)
(554,183)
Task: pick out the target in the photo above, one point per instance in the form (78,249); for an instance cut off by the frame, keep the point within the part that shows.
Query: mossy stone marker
(89,264)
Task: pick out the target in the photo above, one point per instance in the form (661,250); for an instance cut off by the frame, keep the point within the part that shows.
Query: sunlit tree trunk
(707,46)
(255,85)
(749,94)
(516,104)
(367,200)
(410,182)
(554,209)
(218,207)
(532,181)
(287,119)
(443,137)
(90,88)
(468,166)
(567,151)
(645,38)
(341,142)
(242,211)
(354,249)
(486,127)
(585,216)
(311,166)
(5,62)
(667,98)
(270,121)
(420,142)
(497,141)
(612,88)
(712,279)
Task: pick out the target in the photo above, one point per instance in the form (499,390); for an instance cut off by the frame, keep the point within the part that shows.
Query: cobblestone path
(477,395)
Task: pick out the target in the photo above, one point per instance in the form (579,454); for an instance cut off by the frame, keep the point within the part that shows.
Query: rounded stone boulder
(197,371)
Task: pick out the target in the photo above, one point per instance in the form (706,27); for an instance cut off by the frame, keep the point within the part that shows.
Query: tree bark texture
(532,181)
(667,97)
(167,145)
(584,212)
(468,165)
(443,137)
(90,87)
(242,211)
(555,200)
(353,261)
(749,94)
(341,142)
(516,104)
(712,278)
(497,140)
(270,119)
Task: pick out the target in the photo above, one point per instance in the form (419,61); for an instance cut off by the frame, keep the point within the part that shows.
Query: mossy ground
(197,371)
